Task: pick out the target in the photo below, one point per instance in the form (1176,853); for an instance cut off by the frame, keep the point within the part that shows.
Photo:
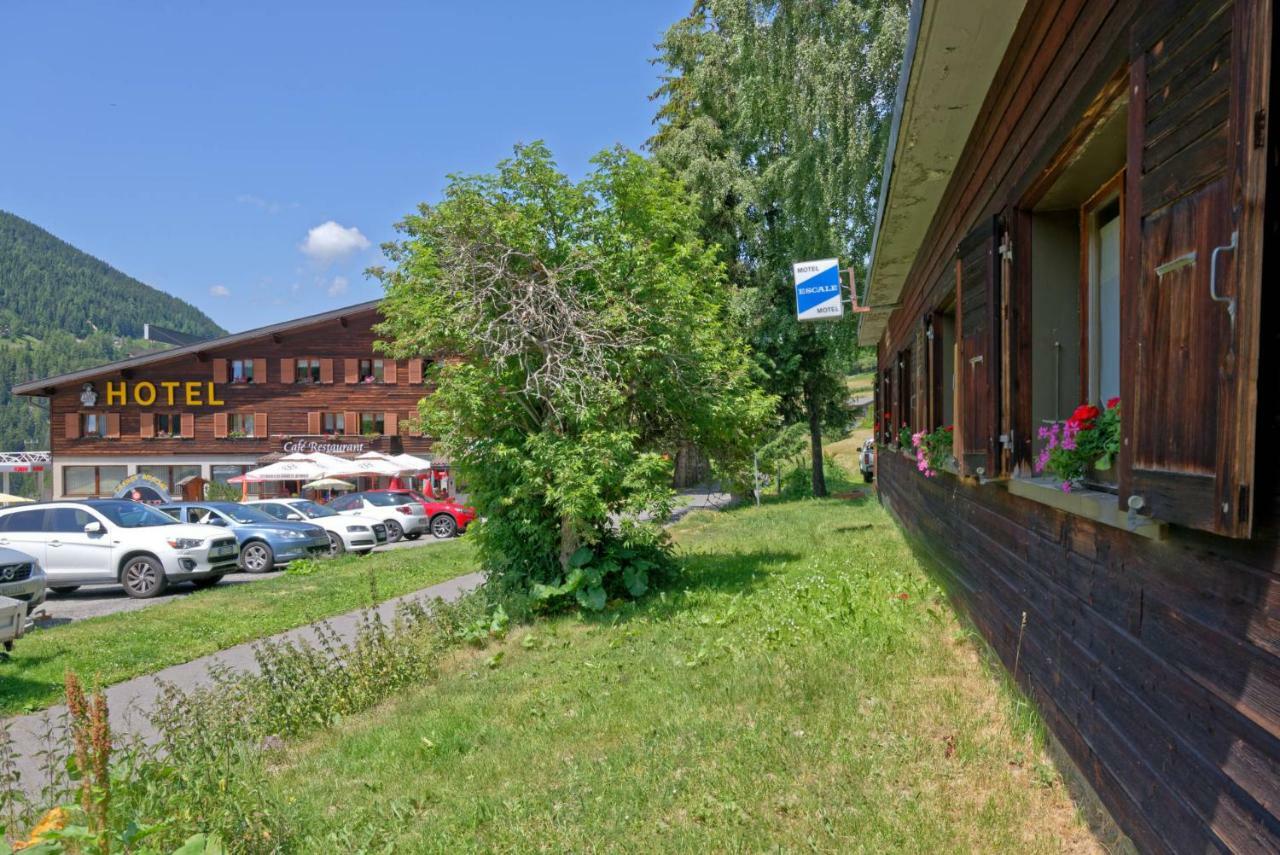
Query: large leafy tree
(585,331)
(776,116)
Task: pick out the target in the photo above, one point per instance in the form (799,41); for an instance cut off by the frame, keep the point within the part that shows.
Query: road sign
(818,290)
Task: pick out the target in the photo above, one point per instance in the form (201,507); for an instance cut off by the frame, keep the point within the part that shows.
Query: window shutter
(932,364)
(326,371)
(260,427)
(286,371)
(919,381)
(71,429)
(978,293)
(886,414)
(415,372)
(389,372)
(351,423)
(219,425)
(219,371)
(352,370)
(188,425)
(1195,182)
(313,423)
(147,425)
(113,425)
(390,424)
(259,371)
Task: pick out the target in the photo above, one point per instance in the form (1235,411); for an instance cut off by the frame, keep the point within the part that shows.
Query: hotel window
(240,425)
(93,424)
(372,423)
(92,480)
(168,425)
(333,423)
(171,476)
(307,371)
(371,371)
(242,371)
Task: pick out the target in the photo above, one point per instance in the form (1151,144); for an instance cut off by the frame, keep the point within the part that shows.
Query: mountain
(61,310)
(47,284)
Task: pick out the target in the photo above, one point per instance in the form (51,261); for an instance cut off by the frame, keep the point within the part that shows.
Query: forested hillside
(47,284)
(61,310)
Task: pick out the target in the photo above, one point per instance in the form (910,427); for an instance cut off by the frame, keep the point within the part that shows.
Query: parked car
(265,542)
(867,460)
(21,578)
(447,518)
(403,516)
(117,542)
(346,532)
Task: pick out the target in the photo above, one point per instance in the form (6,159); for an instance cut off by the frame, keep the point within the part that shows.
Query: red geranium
(1084,416)
(1113,403)
(949,428)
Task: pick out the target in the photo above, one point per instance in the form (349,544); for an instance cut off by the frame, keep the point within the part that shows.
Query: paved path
(131,701)
(98,600)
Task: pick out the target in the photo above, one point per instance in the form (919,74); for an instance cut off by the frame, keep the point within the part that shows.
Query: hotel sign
(166,393)
(324,444)
(818,290)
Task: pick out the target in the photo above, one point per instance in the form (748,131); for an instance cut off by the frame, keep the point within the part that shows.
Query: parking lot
(61,609)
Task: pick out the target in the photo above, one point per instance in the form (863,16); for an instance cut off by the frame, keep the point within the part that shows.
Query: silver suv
(117,542)
(21,578)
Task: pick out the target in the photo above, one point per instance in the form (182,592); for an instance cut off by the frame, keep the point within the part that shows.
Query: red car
(448,518)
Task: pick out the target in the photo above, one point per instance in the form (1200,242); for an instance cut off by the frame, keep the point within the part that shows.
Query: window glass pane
(377,370)
(161,473)
(109,477)
(180,472)
(68,520)
(78,480)
(371,422)
(1107,351)
(222,471)
(24,521)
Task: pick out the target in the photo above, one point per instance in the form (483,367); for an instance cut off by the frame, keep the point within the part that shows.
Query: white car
(117,542)
(402,516)
(347,532)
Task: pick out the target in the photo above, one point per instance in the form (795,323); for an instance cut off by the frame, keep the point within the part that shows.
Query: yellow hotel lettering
(169,393)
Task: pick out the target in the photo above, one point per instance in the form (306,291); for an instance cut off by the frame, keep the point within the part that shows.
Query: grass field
(803,686)
(109,649)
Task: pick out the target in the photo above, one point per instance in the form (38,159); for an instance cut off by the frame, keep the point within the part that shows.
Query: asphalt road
(61,609)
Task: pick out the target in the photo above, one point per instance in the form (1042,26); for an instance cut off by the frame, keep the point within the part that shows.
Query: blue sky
(197,146)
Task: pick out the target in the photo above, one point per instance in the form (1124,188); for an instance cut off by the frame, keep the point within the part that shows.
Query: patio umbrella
(10,499)
(329,484)
(291,467)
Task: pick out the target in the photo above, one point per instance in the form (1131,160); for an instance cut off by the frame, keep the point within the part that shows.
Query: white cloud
(328,242)
(219,291)
(338,286)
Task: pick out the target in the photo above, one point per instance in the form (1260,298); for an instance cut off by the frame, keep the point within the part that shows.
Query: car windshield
(312,510)
(386,500)
(133,515)
(245,514)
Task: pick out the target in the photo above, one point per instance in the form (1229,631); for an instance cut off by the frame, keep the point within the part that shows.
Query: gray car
(21,577)
(265,542)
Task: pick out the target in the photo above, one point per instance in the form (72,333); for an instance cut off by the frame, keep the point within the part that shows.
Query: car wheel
(866,476)
(362,553)
(257,557)
(336,546)
(394,531)
(65,589)
(444,525)
(143,577)
(207,581)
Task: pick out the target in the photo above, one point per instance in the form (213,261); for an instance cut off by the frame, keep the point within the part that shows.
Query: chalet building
(1075,209)
(217,408)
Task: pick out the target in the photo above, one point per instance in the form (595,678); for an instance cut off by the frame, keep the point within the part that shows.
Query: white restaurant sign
(818,290)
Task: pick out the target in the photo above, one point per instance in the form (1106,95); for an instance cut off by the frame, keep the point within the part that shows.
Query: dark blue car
(265,542)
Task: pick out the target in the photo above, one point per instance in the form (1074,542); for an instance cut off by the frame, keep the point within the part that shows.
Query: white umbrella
(411,463)
(292,467)
(374,467)
(329,484)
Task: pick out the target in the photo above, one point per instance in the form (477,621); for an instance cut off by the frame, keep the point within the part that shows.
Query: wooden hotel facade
(1079,205)
(217,408)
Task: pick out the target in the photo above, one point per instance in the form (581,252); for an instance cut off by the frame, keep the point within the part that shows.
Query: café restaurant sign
(324,444)
(166,393)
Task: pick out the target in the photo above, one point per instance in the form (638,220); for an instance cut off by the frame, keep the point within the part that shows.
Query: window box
(1099,506)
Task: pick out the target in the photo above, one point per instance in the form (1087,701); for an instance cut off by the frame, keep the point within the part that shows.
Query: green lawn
(109,649)
(803,687)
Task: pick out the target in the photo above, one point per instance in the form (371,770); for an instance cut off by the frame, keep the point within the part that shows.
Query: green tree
(587,331)
(776,116)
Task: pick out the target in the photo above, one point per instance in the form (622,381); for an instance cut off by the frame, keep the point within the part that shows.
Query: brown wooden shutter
(259,371)
(352,367)
(326,371)
(351,424)
(147,425)
(389,372)
(932,365)
(188,425)
(1195,182)
(919,381)
(313,423)
(415,372)
(886,415)
(219,371)
(260,427)
(113,426)
(286,371)
(390,424)
(71,426)
(978,293)
(219,425)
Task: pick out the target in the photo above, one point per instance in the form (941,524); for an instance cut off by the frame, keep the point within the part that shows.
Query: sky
(251,157)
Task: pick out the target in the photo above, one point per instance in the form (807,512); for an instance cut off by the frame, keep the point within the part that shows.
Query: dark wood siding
(284,405)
